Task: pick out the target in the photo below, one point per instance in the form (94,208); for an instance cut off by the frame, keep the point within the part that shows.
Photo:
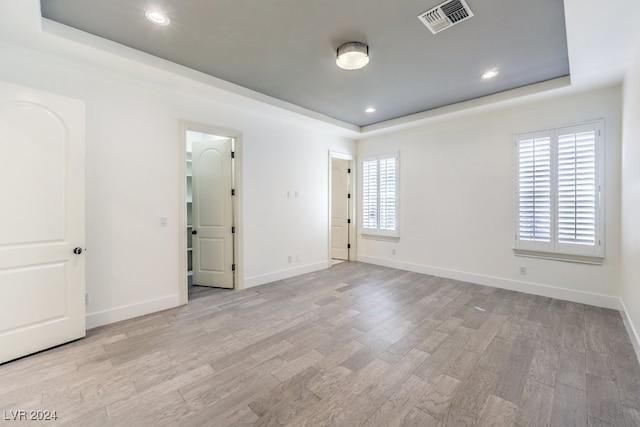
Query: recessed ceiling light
(370,110)
(487,75)
(156,17)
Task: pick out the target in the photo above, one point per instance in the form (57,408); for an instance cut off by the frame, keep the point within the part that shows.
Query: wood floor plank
(631,416)
(438,398)
(603,401)
(569,407)
(572,369)
(419,418)
(351,345)
(535,404)
(513,374)
(399,404)
(470,397)
(497,412)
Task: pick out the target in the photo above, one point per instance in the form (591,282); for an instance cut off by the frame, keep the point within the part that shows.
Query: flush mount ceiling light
(353,56)
(488,75)
(370,110)
(157,17)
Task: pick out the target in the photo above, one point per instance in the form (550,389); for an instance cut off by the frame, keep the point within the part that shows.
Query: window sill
(380,237)
(582,259)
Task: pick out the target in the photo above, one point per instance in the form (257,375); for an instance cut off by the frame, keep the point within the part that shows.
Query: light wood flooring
(353,345)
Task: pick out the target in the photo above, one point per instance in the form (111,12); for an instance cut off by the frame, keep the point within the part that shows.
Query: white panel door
(42,280)
(339,209)
(212,213)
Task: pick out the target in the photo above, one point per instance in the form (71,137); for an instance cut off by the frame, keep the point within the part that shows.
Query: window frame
(377,232)
(554,249)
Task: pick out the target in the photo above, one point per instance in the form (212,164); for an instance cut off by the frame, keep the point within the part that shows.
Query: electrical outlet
(393,251)
(289,258)
(163,221)
(523,270)
(86,298)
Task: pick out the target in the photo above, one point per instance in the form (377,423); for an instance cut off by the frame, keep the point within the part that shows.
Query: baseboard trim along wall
(598,300)
(633,334)
(117,314)
(250,282)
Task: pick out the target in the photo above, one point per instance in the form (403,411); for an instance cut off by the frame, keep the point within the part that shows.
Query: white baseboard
(117,314)
(631,330)
(597,300)
(250,282)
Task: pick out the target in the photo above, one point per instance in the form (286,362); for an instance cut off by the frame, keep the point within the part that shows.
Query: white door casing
(212,213)
(42,220)
(339,209)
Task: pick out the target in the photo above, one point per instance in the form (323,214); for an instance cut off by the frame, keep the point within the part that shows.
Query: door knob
(77,251)
(194,232)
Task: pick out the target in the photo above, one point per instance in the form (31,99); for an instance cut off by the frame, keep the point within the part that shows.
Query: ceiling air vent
(445,15)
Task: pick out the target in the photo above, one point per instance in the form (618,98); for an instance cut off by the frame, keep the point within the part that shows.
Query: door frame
(352,205)
(236,176)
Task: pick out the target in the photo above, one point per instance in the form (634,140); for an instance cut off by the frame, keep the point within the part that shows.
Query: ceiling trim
(485,103)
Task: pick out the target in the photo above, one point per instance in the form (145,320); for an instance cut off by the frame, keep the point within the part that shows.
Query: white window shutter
(370,194)
(578,190)
(534,192)
(380,195)
(559,191)
(388,194)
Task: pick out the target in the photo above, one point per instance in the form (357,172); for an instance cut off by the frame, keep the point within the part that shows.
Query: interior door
(212,213)
(42,222)
(339,209)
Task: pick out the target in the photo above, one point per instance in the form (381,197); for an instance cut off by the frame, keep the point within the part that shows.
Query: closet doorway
(210,226)
(341,230)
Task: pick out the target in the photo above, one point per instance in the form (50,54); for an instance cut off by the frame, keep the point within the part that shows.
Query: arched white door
(42,220)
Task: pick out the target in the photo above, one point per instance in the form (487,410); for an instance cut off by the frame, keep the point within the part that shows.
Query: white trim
(548,249)
(236,172)
(262,279)
(125,312)
(631,330)
(599,300)
(371,232)
(352,207)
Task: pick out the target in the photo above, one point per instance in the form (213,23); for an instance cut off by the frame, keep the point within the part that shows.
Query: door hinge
(233,191)
(349,196)
(349,170)
(348,245)
(233,267)
(349,221)
(233,154)
(233,229)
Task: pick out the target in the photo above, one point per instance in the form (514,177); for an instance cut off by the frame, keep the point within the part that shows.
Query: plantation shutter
(380,195)
(534,195)
(370,194)
(559,208)
(387,193)
(577,193)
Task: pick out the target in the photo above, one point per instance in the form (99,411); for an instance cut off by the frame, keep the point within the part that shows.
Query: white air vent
(446,15)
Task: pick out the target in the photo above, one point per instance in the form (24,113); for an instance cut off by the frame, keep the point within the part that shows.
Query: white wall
(132,178)
(630,267)
(457,195)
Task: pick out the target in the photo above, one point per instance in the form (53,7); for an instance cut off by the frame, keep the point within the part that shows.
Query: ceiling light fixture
(157,17)
(370,110)
(487,75)
(352,56)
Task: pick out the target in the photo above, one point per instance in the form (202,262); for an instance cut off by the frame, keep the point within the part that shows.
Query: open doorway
(341,218)
(209,211)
